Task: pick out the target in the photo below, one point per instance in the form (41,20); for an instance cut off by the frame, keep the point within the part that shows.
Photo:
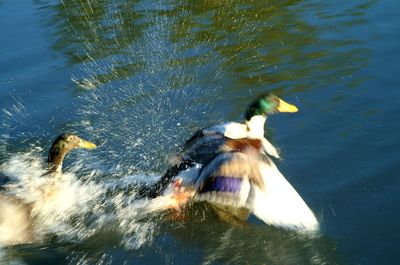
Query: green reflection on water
(282,45)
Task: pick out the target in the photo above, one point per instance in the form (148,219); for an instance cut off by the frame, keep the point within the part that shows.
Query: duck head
(263,105)
(268,104)
(63,144)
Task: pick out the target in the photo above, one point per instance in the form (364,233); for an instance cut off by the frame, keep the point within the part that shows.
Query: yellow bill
(286,107)
(86,144)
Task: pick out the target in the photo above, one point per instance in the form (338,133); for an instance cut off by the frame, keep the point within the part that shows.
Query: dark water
(137,77)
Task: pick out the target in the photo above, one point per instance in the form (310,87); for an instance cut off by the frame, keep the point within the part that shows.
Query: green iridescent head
(268,104)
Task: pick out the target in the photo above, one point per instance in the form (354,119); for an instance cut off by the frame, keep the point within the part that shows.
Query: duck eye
(69,138)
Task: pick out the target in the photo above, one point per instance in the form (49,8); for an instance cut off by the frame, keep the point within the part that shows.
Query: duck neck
(54,162)
(256,126)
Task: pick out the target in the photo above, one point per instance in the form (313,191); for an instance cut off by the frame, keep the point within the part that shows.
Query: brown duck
(16,220)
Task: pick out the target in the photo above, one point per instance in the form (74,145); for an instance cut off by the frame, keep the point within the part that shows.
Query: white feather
(232,130)
(253,129)
(280,204)
(269,148)
(256,127)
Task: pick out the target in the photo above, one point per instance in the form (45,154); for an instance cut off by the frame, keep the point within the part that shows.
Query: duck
(228,167)
(16,219)
(255,118)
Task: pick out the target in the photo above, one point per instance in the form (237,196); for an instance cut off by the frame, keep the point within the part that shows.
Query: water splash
(54,201)
(73,208)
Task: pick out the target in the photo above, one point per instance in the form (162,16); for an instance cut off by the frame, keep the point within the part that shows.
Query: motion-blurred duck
(252,128)
(231,169)
(16,220)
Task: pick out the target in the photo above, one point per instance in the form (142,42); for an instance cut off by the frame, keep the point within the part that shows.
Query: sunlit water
(137,77)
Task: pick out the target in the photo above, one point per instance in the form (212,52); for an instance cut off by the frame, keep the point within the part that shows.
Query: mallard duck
(16,220)
(252,128)
(236,175)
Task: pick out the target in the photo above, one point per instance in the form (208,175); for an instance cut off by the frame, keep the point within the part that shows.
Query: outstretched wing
(246,180)
(278,203)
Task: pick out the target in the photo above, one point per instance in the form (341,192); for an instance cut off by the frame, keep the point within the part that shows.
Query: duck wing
(198,151)
(247,180)
(278,203)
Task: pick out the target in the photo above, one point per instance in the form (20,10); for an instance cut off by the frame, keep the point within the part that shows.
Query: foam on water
(54,201)
(75,209)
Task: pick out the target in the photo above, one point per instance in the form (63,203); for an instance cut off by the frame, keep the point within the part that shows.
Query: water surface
(137,77)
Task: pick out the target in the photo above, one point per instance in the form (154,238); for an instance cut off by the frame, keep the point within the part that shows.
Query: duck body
(15,221)
(204,144)
(251,128)
(238,179)
(228,165)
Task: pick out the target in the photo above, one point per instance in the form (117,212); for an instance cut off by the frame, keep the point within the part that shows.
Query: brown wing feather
(242,145)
